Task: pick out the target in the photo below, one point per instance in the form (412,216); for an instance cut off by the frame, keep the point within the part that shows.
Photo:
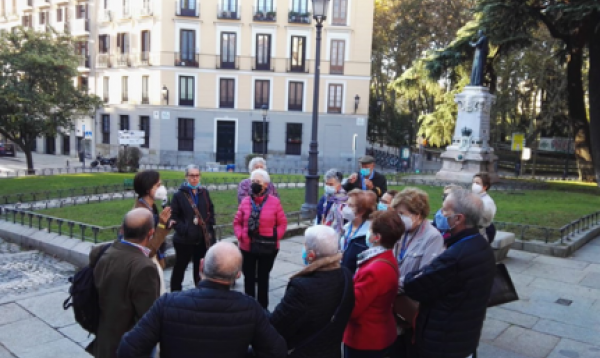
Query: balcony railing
(125,12)
(293,66)
(123,60)
(106,15)
(186,59)
(295,17)
(259,13)
(189,8)
(104,60)
(229,12)
(228,63)
(145,58)
(268,65)
(84,61)
(145,99)
(145,10)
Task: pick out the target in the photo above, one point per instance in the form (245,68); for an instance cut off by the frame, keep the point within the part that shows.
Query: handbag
(405,308)
(503,289)
(201,223)
(263,245)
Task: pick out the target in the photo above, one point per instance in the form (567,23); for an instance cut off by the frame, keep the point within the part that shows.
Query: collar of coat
(461,235)
(322,264)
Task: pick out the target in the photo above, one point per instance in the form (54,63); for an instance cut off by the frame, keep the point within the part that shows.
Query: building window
(185,138)
(263,52)
(104,43)
(227,93)
(340,12)
(82,83)
(124,88)
(80,11)
(186,91)
(27,20)
(295,94)
(338,50)
(123,42)
(43,17)
(187,8)
(145,98)
(293,139)
(228,50)
(299,6)
(260,143)
(105,129)
(187,49)
(261,93)
(59,14)
(105,89)
(334,102)
(229,6)
(124,123)
(145,126)
(298,54)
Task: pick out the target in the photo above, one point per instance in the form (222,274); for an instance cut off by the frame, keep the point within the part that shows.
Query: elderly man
(367,178)
(209,321)
(454,289)
(127,281)
(319,299)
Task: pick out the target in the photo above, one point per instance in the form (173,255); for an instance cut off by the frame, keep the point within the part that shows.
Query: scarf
(370,253)
(322,264)
(334,216)
(254,219)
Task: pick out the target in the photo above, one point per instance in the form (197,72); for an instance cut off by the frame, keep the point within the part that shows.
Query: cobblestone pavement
(557,316)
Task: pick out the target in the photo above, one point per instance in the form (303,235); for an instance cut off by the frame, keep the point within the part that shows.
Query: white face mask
(477,189)
(329,190)
(161,193)
(348,213)
(408,224)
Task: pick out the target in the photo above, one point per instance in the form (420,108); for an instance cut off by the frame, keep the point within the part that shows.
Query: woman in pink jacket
(259,225)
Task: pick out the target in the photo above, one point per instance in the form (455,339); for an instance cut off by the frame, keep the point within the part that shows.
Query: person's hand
(164,216)
(352,178)
(172,223)
(368,184)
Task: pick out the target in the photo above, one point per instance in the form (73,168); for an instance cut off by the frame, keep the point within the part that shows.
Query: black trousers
(357,353)
(403,346)
(257,269)
(183,254)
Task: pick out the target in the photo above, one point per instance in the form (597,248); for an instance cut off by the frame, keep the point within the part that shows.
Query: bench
(502,244)
(128,184)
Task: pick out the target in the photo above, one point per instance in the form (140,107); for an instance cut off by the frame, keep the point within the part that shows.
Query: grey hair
(191,167)
(262,173)
(468,204)
(321,239)
(255,161)
(219,267)
(332,174)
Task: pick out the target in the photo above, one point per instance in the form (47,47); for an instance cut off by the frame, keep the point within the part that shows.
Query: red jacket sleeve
(238,221)
(281,221)
(365,291)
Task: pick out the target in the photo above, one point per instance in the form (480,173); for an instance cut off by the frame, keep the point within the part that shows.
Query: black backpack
(84,297)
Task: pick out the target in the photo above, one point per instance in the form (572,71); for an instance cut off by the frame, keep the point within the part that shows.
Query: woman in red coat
(259,225)
(371,330)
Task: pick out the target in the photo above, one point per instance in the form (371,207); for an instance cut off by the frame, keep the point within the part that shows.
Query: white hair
(254,161)
(466,203)
(333,174)
(321,239)
(191,167)
(263,173)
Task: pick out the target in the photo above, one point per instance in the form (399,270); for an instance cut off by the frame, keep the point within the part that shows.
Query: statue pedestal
(470,152)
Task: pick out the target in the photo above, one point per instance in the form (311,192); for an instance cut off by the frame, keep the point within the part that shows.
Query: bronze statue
(479,60)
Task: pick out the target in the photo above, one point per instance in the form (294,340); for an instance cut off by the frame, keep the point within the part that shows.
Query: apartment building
(195,75)
(63,16)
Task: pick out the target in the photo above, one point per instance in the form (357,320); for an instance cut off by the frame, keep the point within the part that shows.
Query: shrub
(129,160)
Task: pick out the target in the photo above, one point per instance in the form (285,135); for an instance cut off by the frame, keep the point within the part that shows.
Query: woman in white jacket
(481,185)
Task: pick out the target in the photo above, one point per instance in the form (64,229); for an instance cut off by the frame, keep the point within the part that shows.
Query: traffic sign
(518,142)
(131,141)
(132,134)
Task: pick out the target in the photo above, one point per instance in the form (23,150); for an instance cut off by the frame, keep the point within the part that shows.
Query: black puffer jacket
(210,322)
(310,301)
(453,291)
(183,215)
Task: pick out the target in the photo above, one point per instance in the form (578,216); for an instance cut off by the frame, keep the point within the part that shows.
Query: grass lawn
(537,207)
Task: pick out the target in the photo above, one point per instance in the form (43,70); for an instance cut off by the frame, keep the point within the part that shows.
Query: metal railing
(229,13)
(181,10)
(290,67)
(123,60)
(295,17)
(104,60)
(187,59)
(264,15)
(269,66)
(578,226)
(224,63)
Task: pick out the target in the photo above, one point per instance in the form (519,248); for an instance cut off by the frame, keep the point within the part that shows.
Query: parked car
(7,150)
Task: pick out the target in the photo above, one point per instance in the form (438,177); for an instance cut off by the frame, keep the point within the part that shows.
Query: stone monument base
(460,166)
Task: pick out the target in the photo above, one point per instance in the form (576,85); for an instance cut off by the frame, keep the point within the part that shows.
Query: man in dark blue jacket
(210,321)
(454,289)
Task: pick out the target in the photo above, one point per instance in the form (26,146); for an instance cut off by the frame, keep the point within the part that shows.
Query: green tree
(37,91)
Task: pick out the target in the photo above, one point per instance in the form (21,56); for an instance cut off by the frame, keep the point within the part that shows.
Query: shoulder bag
(503,289)
(405,308)
(201,223)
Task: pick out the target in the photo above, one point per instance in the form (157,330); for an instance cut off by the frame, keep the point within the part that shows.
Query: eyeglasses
(193,175)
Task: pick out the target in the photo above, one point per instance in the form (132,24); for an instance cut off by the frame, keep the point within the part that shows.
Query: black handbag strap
(332,320)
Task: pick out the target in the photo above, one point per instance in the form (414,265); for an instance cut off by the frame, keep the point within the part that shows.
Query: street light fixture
(311,197)
(165,94)
(265,111)
(356,102)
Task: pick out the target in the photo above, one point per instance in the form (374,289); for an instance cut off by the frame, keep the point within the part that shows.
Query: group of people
(379,277)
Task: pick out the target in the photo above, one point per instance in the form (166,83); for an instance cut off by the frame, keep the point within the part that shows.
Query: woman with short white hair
(259,225)
(321,291)
(245,185)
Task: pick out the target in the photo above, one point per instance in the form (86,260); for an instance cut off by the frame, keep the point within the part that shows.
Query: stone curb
(557,249)
(76,252)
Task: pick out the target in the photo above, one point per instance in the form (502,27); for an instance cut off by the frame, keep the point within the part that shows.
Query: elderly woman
(245,187)
(149,189)
(322,291)
(481,184)
(421,243)
(440,222)
(371,330)
(329,209)
(259,225)
(359,207)
(194,216)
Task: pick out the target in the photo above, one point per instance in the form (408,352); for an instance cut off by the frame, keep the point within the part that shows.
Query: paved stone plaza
(558,315)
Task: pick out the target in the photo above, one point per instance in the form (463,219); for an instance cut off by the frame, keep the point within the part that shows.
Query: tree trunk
(577,114)
(594,91)
(29,156)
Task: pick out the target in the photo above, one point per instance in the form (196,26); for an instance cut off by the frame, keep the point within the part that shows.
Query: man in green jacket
(127,281)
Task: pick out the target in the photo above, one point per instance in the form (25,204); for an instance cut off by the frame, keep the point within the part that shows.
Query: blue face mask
(441,222)
(304,256)
(365,172)
(369,243)
(382,207)
(194,186)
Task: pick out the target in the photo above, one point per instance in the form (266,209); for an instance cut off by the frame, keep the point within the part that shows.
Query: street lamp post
(311,197)
(265,111)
